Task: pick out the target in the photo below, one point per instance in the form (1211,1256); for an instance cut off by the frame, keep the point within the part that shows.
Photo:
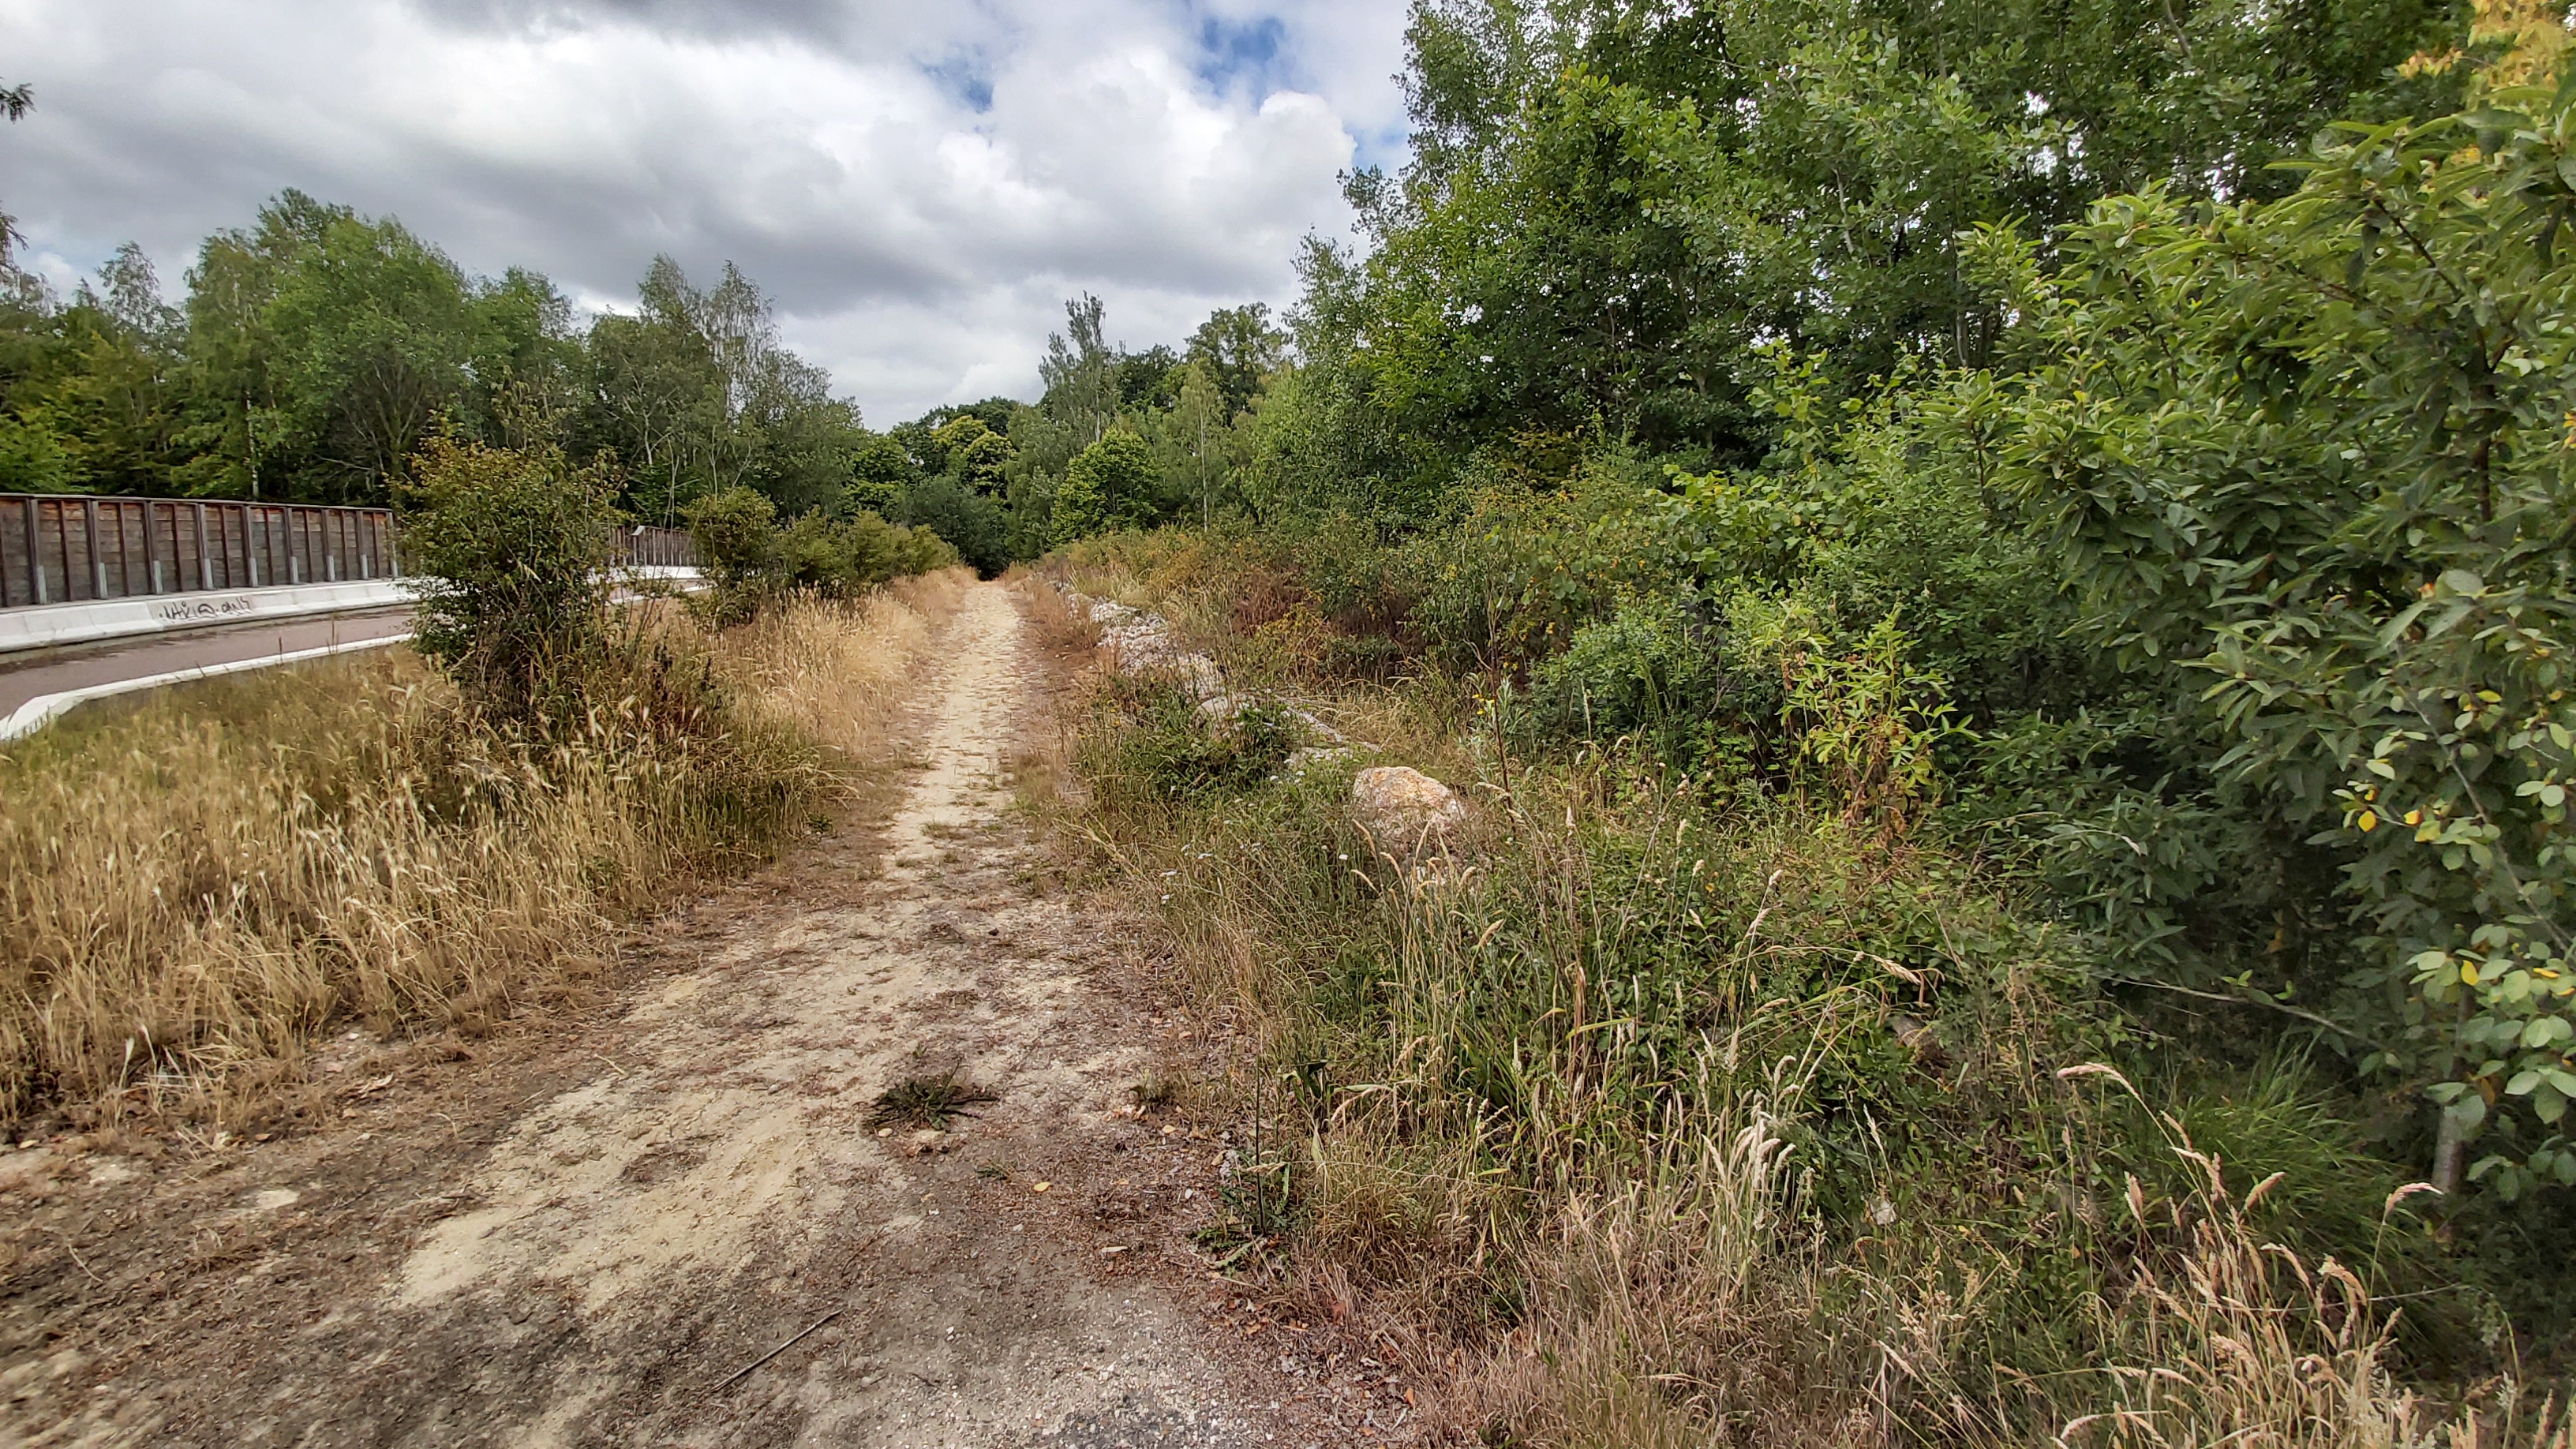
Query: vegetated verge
(1741,1106)
(191,889)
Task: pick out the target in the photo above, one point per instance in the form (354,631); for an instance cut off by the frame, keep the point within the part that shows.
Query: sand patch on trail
(747,1108)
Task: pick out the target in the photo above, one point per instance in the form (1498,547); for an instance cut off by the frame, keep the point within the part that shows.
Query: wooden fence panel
(60,549)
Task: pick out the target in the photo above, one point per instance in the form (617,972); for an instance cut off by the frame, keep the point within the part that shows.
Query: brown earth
(592,1227)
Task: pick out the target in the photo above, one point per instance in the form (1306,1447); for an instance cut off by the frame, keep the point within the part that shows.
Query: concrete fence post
(89,537)
(35,553)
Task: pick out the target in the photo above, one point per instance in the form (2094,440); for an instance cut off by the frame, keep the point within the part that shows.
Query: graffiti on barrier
(176,611)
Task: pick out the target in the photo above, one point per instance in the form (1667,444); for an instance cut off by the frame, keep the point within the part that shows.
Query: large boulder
(1404,810)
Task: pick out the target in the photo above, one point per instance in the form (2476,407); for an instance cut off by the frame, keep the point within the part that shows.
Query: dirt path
(580,1236)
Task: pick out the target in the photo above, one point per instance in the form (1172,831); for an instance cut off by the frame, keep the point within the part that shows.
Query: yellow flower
(2368,822)
(2468,974)
(2414,817)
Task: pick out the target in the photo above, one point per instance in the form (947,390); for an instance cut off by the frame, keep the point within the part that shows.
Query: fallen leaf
(1040,1186)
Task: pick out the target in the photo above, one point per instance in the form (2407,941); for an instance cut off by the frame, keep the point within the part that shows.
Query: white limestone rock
(1404,810)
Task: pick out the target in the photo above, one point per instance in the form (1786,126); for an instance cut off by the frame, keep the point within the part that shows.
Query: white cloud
(918,185)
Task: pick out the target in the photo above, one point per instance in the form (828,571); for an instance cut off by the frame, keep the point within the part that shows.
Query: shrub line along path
(584,1230)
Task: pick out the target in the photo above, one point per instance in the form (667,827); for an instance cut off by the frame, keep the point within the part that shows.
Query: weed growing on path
(928,1101)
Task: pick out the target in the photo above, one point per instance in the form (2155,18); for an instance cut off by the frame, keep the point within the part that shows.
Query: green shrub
(1638,673)
(1164,748)
(737,535)
(1110,484)
(2308,482)
(754,561)
(509,550)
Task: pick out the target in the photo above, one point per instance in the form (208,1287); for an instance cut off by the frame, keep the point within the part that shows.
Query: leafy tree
(93,391)
(968,450)
(969,519)
(526,364)
(1081,376)
(651,397)
(1240,349)
(1195,440)
(1111,484)
(880,471)
(754,561)
(1145,379)
(1614,203)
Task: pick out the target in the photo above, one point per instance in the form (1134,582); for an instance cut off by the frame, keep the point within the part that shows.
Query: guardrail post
(35,554)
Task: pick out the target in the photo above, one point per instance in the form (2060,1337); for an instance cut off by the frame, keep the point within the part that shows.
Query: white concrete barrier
(52,624)
(49,625)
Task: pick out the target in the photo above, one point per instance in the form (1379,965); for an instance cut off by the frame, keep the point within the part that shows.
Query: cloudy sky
(919,183)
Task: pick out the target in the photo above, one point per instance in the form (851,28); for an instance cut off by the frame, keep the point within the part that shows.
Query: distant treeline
(316,350)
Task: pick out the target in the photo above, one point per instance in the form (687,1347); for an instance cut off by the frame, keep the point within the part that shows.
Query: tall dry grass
(189,890)
(835,670)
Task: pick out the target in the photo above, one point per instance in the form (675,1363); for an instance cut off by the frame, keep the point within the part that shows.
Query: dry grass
(836,671)
(189,890)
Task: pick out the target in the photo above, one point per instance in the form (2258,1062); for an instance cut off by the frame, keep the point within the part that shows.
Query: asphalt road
(51,671)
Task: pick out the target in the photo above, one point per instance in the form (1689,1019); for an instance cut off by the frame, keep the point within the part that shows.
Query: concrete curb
(36,713)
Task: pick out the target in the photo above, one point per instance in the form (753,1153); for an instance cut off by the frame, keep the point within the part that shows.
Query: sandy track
(692,1182)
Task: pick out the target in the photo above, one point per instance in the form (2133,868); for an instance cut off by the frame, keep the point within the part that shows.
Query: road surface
(55,671)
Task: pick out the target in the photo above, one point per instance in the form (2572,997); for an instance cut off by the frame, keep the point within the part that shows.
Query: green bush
(737,535)
(509,552)
(2308,479)
(753,560)
(1638,673)
(1110,484)
(1166,749)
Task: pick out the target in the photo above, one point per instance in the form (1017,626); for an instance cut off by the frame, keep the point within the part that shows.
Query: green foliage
(2307,465)
(1239,350)
(319,347)
(1111,484)
(508,550)
(1169,750)
(1638,673)
(970,521)
(1614,204)
(737,536)
(32,459)
(755,562)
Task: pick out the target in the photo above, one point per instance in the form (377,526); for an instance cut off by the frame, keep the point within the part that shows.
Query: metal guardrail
(76,548)
(643,547)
